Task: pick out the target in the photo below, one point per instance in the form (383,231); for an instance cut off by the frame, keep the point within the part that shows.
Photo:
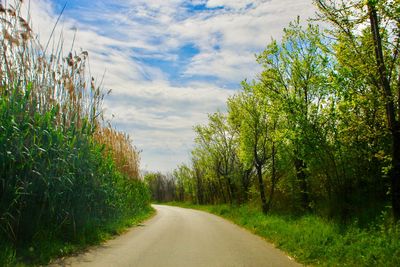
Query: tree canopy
(319,129)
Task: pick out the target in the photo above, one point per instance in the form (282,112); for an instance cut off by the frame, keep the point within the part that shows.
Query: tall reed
(61,173)
(119,146)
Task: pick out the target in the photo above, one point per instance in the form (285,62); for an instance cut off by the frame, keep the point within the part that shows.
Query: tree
(218,140)
(162,186)
(294,75)
(248,111)
(185,187)
(375,58)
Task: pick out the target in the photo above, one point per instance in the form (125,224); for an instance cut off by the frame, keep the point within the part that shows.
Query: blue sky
(168,63)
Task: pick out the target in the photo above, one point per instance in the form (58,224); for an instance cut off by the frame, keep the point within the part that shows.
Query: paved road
(184,237)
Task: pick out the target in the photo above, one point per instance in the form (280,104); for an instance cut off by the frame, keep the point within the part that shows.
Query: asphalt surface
(183,237)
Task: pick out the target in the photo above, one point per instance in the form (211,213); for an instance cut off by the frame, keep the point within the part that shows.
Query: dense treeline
(63,173)
(162,187)
(318,130)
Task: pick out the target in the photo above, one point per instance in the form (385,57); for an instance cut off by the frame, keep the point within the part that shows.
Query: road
(183,237)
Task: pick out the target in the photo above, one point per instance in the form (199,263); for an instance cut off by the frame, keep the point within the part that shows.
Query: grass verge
(312,240)
(46,248)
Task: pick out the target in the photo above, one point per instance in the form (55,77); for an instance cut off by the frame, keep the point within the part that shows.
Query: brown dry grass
(119,146)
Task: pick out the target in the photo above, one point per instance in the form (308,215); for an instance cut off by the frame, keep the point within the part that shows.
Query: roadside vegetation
(313,142)
(313,240)
(67,179)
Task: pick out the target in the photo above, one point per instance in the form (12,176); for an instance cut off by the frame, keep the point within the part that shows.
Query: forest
(318,130)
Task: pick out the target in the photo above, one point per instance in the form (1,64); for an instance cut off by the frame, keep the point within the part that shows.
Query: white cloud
(237,4)
(160,119)
(157,106)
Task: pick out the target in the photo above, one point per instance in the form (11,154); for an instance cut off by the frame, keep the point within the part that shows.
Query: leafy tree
(249,112)
(185,191)
(319,129)
(372,55)
(295,76)
(218,140)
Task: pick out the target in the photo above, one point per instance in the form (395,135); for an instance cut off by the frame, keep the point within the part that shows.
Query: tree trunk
(390,110)
(262,190)
(274,178)
(395,175)
(221,187)
(229,185)
(302,180)
(199,188)
(246,184)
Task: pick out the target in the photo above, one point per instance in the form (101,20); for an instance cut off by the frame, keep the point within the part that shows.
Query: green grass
(312,240)
(46,248)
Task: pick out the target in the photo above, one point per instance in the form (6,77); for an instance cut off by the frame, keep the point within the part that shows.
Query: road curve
(183,237)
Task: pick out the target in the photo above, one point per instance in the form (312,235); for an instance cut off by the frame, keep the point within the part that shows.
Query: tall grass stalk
(119,146)
(62,171)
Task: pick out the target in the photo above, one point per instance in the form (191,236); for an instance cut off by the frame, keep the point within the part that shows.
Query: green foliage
(56,184)
(317,134)
(216,148)
(59,190)
(311,134)
(185,191)
(45,248)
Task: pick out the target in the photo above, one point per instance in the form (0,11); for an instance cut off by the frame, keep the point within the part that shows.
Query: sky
(168,63)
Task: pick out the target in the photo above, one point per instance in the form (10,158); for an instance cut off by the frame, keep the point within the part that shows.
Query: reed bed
(119,146)
(63,174)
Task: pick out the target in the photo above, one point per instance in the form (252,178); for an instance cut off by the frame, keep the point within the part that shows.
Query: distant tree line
(318,130)
(162,187)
